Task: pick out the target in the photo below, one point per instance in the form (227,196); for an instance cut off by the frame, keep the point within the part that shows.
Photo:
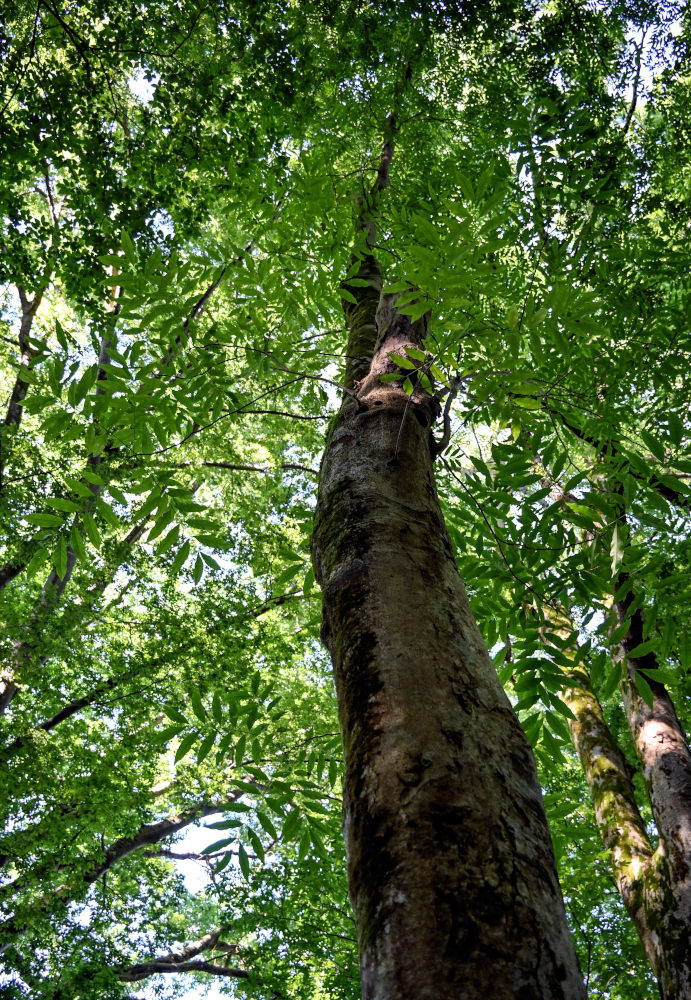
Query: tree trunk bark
(665,761)
(451,871)
(13,416)
(634,862)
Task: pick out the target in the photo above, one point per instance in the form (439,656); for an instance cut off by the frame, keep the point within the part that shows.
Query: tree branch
(112,683)
(13,416)
(148,834)
(361,299)
(678,497)
(634,97)
(138,972)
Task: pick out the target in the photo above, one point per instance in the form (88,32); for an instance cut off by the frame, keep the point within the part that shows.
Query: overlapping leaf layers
(178,204)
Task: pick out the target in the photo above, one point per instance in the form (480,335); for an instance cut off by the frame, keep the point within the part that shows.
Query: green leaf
(60,504)
(60,334)
(401,360)
(288,574)
(107,513)
(206,747)
(481,467)
(256,843)
(587,512)
(185,746)
(180,558)
(612,680)
(128,247)
(167,734)
(644,689)
(560,706)
(642,649)
(91,530)
(60,558)
(225,824)
(656,447)
(217,709)
(197,706)
(304,844)
(223,863)
(619,632)
(267,825)
(237,807)
(36,562)
(215,542)
(81,489)
(217,845)
(244,861)
(414,352)
(416,309)
(175,714)
(660,674)
(292,824)
(160,525)
(45,520)
(169,541)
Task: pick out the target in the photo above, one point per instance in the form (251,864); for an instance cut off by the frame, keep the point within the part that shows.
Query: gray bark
(13,416)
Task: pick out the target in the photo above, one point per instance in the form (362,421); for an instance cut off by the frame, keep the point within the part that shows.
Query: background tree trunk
(665,760)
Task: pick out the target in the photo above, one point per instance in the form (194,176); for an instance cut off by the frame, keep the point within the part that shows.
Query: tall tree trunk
(653,882)
(665,760)
(451,871)
(450,865)
(623,832)
(655,886)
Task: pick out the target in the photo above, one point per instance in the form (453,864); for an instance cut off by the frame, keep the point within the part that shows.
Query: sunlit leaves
(547,246)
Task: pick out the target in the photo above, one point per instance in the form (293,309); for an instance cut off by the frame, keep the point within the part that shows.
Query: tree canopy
(179,200)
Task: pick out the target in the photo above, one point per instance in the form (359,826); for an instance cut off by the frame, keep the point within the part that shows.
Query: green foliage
(178,205)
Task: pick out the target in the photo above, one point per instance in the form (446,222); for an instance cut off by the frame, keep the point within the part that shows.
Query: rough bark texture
(451,871)
(634,862)
(665,760)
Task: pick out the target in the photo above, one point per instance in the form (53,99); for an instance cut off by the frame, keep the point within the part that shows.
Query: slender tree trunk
(451,871)
(54,586)
(13,416)
(653,882)
(665,760)
(619,821)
